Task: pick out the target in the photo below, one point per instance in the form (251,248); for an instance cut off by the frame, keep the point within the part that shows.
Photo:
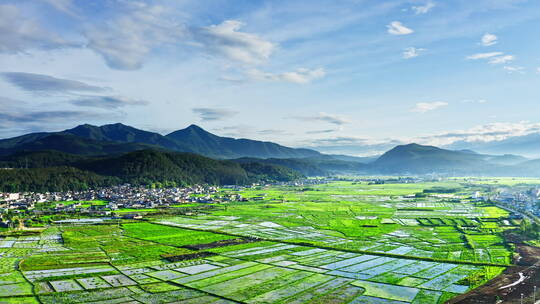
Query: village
(520,199)
(128,200)
(109,199)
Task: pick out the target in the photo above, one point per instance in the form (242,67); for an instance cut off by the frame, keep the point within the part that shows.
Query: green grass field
(329,243)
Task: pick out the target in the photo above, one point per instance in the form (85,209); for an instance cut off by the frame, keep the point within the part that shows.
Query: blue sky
(352,76)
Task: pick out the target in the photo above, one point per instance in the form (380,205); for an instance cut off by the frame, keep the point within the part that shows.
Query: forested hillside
(54,171)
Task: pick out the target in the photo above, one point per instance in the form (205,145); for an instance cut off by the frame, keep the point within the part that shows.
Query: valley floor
(341,242)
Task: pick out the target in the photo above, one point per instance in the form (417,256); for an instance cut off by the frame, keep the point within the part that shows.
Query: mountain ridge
(118,137)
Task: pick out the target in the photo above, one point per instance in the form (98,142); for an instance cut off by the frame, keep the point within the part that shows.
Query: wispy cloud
(489,39)
(484,133)
(226,40)
(412,52)
(124,41)
(502,59)
(484,55)
(474,101)
(492,57)
(341,140)
(325,117)
(424,9)
(321,131)
(271,132)
(212,114)
(514,69)
(301,75)
(397,28)
(45,84)
(240,130)
(107,102)
(18,33)
(423,107)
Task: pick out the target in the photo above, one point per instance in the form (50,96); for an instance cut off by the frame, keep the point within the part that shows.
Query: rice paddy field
(338,242)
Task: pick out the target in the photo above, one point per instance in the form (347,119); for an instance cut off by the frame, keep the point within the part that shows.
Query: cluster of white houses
(116,197)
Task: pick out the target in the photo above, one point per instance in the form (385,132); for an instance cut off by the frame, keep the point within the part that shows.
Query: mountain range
(88,147)
(118,138)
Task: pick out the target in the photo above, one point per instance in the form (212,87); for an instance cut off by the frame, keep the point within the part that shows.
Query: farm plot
(386,291)
(65,285)
(171,235)
(291,290)
(50,274)
(93,283)
(16,289)
(118,280)
(444,281)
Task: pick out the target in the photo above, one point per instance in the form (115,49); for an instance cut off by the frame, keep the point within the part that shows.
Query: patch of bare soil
(510,285)
(186,257)
(222,243)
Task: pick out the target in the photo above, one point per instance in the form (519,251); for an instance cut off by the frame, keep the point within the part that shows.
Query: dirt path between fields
(514,281)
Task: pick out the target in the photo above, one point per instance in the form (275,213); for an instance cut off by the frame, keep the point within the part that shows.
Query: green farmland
(339,242)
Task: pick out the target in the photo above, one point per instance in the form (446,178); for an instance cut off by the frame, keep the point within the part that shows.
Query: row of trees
(530,228)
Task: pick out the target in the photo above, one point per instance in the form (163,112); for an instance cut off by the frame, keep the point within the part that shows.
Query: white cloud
(423,9)
(484,55)
(301,75)
(212,114)
(397,28)
(225,40)
(514,69)
(492,57)
(18,33)
(484,133)
(423,107)
(501,59)
(238,131)
(325,117)
(125,41)
(474,101)
(538,70)
(412,52)
(489,39)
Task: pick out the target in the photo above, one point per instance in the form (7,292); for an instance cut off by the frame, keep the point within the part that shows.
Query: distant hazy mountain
(118,138)
(527,145)
(418,159)
(314,166)
(506,159)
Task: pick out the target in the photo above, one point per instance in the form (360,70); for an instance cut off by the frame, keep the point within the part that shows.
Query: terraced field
(342,242)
